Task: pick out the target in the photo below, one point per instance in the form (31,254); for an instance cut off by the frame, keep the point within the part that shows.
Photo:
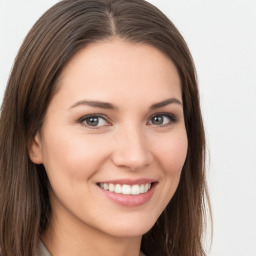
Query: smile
(128,193)
(126,189)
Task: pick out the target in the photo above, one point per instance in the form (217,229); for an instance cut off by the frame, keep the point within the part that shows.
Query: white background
(221,35)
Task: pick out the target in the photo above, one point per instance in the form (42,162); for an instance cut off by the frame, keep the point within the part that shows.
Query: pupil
(158,120)
(93,121)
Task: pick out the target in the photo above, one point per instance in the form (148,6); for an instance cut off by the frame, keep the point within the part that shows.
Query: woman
(102,141)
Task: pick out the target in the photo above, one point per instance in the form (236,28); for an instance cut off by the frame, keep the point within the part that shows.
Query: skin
(127,144)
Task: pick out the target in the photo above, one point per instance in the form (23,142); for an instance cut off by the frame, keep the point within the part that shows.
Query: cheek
(74,156)
(172,152)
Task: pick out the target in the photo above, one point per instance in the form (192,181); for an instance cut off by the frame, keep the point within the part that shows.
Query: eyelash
(97,116)
(172,119)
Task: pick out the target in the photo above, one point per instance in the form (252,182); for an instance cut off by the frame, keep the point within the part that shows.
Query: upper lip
(128,181)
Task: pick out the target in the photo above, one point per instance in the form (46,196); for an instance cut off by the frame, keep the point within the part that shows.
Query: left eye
(162,119)
(94,121)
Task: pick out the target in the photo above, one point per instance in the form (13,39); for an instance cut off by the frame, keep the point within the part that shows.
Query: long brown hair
(64,29)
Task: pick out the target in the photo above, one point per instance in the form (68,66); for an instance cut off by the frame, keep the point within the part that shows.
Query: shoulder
(42,250)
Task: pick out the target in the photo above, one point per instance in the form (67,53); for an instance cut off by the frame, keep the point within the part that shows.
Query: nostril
(131,153)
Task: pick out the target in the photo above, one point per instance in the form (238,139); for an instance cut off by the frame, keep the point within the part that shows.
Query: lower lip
(130,200)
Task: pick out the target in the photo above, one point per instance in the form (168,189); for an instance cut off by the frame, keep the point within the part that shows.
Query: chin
(130,228)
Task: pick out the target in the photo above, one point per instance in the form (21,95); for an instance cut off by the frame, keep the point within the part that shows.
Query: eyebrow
(95,104)
(106,105)
(165,103)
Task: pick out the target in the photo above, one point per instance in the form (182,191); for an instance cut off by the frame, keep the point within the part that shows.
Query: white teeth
(147,187)
(135,190)
(126,189)
(142,188)
(111,187)
(118,189)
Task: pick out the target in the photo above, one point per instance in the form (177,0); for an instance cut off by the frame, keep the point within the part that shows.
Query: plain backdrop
(221,35)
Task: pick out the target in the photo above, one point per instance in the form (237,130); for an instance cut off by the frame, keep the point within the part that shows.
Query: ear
(35,150)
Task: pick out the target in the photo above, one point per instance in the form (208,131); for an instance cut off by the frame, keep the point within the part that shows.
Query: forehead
(116,67)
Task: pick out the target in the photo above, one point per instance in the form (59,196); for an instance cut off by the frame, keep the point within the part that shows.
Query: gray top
(42,250)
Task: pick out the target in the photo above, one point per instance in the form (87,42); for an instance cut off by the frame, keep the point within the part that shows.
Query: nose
(131,149)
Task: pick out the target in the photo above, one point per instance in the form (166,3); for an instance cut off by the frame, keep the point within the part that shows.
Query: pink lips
(129,182)
(130,200)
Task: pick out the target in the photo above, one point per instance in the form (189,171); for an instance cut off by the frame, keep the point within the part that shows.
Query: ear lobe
(35,150)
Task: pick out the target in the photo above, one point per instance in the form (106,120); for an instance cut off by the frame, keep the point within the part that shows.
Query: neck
(65,237)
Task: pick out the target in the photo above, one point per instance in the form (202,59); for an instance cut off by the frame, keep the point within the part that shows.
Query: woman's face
(114,128)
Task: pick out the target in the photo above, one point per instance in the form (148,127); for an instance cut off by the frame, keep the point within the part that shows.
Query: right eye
(94,121)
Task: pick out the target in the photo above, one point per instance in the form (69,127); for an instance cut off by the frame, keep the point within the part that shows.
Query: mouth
(128,193)
(126,189)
